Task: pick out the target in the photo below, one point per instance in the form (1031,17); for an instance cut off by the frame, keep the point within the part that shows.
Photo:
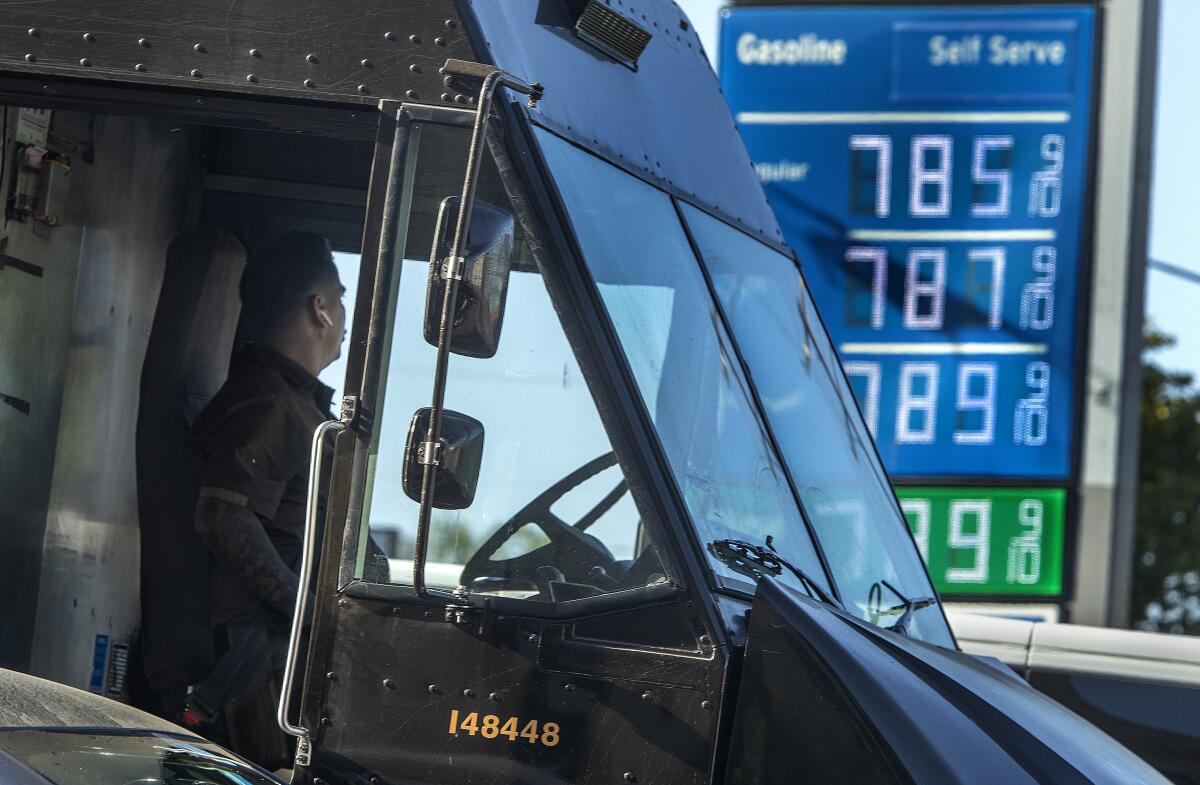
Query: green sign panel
(989,541)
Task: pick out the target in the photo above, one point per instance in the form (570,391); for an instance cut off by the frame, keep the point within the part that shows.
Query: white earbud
(325,317)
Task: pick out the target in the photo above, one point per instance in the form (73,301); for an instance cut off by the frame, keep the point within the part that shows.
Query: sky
(1174,207)
(1174,210)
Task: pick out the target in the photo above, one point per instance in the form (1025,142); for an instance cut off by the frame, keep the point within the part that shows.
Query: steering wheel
(571,556)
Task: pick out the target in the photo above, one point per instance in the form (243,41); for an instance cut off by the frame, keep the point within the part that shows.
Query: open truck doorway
(123,238)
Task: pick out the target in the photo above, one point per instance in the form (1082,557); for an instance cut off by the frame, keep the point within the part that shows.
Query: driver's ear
(315,310)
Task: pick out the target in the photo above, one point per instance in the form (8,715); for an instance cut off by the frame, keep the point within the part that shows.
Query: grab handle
(316,459)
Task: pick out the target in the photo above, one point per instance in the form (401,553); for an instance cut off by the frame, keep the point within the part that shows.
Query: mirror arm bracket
(453,268)
(428,453)
(349,410)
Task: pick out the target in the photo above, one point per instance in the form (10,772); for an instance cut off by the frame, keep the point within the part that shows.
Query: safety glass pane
(552,517)
(812,413)
(683,360)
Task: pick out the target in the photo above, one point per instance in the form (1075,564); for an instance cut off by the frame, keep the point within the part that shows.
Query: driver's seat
(187,360)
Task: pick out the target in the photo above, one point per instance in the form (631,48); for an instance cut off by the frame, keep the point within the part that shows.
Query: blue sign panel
(929,167)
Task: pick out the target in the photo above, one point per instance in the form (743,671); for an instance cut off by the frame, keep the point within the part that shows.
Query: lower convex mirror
(459,454)
(478,310)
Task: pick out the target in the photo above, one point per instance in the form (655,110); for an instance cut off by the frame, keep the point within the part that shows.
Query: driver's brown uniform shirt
(254,440)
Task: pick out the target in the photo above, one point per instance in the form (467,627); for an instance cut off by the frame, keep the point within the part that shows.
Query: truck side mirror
(479,304)
(459,455)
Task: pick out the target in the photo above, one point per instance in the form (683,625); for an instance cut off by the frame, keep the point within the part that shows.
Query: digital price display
(929,166)
(989,541)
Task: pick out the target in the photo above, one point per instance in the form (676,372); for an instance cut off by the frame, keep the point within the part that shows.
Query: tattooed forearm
(240,544)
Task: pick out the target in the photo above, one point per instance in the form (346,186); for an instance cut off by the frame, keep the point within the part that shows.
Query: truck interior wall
(35,322)
(261,184)
(133,186)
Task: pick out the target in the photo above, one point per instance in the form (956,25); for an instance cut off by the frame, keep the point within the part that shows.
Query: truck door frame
(337,588)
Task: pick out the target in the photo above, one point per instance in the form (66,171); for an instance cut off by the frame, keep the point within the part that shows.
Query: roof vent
(618,37)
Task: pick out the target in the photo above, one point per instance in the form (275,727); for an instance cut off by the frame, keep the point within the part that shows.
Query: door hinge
(349,410)
(303,751)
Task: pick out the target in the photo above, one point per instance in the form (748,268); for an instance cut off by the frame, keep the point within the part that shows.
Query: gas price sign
(989,541)
(929,166)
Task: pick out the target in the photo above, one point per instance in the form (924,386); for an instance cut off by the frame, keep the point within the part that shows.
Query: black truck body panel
(347,53)
(667,122)
(828,694)
(398,671)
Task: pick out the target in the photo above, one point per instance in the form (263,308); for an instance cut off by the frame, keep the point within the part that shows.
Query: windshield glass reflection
(824,441)
(684,362)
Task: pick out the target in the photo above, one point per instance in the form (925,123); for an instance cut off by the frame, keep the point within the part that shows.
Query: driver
(254,442)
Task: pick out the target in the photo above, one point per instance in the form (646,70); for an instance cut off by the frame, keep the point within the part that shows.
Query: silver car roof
(27,701)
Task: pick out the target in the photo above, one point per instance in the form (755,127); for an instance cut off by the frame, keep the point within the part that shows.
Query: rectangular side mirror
(478,310)
(459,457)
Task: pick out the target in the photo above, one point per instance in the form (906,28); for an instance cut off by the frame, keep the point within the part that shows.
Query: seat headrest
(196,318)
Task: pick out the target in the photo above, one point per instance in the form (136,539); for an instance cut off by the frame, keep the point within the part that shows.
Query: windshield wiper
(909,606)
(759,561)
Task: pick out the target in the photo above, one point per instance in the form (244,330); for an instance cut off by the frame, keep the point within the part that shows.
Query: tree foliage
(1166,573)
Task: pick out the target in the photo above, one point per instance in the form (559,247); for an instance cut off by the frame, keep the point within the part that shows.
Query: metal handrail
(315,461)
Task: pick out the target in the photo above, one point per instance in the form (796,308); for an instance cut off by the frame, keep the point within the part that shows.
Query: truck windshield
(715,423)
(811,410)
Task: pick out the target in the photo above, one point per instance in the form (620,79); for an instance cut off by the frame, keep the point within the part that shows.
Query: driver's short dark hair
(280,277)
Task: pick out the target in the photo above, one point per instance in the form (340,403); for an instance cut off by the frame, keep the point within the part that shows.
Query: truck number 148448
(490,726)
